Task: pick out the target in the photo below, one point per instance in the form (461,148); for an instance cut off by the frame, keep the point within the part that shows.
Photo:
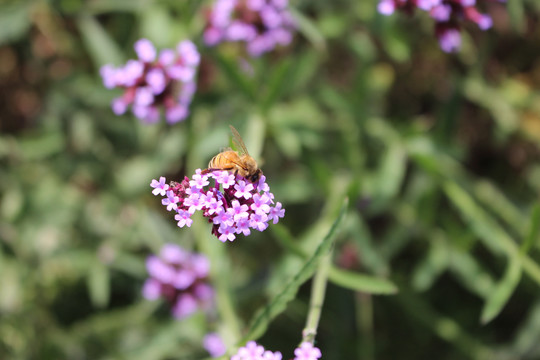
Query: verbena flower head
(155,83)
(181,277)
(254,351)
(306,351)
(447,14)
(231,203)
(260,24)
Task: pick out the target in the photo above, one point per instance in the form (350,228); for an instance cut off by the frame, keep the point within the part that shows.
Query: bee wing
(238,142)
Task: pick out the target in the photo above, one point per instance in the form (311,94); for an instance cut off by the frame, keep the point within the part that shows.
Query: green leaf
(534,230)
(101,47)
(279,80)
(307,28)
(516,11)
(480,222)
(503,290)
(277,305)
(391,173)
(14,21)
(99,284)
(234,73)
(432,266)
(361,282)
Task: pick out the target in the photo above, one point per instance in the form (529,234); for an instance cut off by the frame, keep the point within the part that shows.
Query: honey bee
(239,162)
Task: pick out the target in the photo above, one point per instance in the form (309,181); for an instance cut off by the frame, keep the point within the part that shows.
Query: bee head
(255,176)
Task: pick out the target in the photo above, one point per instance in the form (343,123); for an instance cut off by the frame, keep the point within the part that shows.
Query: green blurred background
(437,153)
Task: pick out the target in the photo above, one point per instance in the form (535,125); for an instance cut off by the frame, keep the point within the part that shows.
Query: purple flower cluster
(261,24)
(447,14)
(154,81)
(180,277)
(253,351)
(232,204)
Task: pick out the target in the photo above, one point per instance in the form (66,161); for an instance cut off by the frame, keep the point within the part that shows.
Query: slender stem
(219,270)
(317,298)
(364,319)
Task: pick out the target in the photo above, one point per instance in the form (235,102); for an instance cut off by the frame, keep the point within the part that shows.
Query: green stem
(317,298)
(219,271)
(364,319)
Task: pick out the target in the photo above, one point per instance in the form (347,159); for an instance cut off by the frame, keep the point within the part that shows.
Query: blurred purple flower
(232,204)
(260,24)
(155,83)
(213,343)
(447,14)
(181,277)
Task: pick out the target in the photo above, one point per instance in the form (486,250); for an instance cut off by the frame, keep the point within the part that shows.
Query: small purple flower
(181,278)
(186,304)
(213,205)
(160,188)
(239,210)
(242,226)
(171,201)
(184,218)
(226,179)
(160,270)
(213,343)
(243,189)
(449,39)
(227,233)
(258,221)
(276,212)
(184,278)
(260,24)
(306,351)
(260,204)
(145,50)
(156,81)
(173,254)
(199,181)
(155,85)
(223,217)
(151,289)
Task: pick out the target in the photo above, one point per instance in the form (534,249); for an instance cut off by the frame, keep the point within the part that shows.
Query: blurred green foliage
(438,155)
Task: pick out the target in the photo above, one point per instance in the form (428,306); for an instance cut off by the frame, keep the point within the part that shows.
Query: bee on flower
(232,194)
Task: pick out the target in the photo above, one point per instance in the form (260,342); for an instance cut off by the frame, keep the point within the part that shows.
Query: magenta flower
(181,277)
(155,83)
(306,351)
(447,14)
(261,24)
(232,204)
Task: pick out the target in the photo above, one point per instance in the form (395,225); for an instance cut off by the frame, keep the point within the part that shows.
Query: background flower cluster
(155,81)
